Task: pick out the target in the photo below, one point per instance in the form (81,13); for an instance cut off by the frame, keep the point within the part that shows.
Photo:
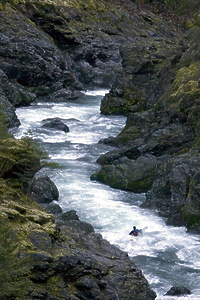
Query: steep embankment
(42,259)
(158,150)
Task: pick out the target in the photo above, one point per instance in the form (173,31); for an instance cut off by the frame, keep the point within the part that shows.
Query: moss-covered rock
(19,161)
(48,261)
(136,176)
(186,96)
(165,125)
(191,207)
(3,126)
(175,192)
(123,100)
(148,68)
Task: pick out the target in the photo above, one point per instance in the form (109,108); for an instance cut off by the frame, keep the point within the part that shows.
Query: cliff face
(52,50)
(158,149)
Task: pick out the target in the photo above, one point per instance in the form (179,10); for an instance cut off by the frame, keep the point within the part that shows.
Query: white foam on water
(167,255)
(100,92)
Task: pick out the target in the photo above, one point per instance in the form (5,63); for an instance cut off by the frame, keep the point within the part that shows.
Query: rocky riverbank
(47,258)
(158,149)
(51,51)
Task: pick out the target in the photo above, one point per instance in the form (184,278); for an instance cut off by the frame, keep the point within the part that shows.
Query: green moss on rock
(185,97)
(3,127)
(14,280)
(19,160)
(191,216)
(137,176)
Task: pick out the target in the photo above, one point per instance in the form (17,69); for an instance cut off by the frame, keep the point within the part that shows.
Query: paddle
(144,228)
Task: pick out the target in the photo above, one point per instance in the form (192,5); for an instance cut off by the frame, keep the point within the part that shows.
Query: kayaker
(135,231)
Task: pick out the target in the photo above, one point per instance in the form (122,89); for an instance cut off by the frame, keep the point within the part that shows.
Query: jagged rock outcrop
(137,176)
(53,51)
(18,161)
(43,190)
(160,96)
(47,259)
(61,48)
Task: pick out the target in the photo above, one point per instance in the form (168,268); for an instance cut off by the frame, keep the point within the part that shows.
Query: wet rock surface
(158,91)
(43,190)
(55,123)
(178,290)
(61,255)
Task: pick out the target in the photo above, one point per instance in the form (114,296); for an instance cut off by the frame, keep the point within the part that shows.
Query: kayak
(138,231)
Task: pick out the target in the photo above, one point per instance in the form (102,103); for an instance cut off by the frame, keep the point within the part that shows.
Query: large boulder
(175,193)
(9,110)
(19,162)
(43,190)
(178,290)
(40,68)
(7,92)
(148,68)
(131,175)
(55,123)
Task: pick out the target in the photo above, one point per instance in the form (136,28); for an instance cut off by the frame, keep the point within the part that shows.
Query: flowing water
(167,255)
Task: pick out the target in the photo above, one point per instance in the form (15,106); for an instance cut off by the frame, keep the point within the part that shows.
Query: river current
(167,255)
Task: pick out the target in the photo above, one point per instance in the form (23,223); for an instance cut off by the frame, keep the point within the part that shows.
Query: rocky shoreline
(157,152)
(59,257)
(51,51)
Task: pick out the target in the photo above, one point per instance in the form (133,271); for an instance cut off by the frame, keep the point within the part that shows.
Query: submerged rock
(55,123)
(178,290)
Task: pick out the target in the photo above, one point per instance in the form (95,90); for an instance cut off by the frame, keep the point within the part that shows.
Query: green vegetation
(181,12)
(179,6)
(20,160)
(3,128)
(14,280)
(182,6)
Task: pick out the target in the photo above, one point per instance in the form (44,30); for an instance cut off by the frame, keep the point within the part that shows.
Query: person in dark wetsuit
(135,231)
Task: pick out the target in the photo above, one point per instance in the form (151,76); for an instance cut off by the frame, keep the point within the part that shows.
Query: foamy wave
(96,93)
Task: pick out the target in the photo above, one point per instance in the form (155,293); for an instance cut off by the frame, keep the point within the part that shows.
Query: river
(167,255)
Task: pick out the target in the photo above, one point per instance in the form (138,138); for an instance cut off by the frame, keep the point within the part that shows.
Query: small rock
(178,290)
